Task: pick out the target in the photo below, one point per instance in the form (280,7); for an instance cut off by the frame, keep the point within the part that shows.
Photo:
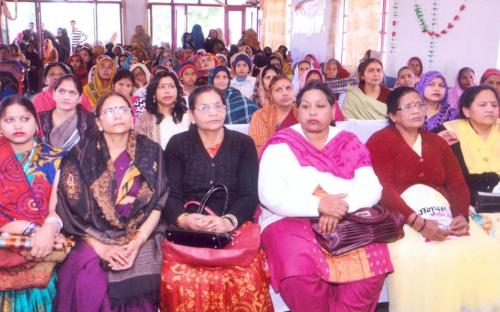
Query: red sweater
(399,167)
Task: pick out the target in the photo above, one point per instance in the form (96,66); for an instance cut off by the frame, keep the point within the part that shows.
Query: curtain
(274,23)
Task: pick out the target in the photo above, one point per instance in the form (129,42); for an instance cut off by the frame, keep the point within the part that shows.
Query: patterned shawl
(87,190)
(87,197)
(25,193)
(445,112)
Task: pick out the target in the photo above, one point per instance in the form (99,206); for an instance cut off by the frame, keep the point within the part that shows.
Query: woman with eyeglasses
(112,189)
(208,155)
(64,126)
(166,111)
(444,262)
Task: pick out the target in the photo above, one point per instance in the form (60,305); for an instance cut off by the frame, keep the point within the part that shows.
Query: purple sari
(83,282)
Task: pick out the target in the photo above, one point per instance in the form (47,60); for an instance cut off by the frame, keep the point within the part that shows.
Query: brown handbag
(363,227)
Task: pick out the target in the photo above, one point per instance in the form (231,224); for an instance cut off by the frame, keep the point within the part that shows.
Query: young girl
(242,67)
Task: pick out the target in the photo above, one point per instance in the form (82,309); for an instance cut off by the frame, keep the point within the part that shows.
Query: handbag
(200,248)
(487,202)
(176,235)
(363,227)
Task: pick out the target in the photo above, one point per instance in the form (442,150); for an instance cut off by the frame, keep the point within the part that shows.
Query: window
(82,13)
(100,20)
(207,17)
(25,15)
(162,19)
(109,22)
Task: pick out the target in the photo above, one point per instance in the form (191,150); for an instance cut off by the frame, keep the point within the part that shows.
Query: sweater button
(213,164)
(421,174)
(421,160)
(211,182)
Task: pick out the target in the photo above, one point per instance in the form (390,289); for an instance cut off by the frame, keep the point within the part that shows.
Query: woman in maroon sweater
(437,267)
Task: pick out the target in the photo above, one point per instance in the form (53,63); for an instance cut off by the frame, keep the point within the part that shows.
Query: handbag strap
(208,195)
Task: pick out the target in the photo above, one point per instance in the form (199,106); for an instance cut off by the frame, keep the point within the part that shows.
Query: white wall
(309,30)
(135,14)
(474,41)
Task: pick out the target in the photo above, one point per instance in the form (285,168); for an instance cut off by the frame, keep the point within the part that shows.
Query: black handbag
(176,235)
(487,202)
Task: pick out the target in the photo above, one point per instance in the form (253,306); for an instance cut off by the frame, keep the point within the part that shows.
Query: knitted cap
(489,72)
(214,73)
(185,66)
(241,57)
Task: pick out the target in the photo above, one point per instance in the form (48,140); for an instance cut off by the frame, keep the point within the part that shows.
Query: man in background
(77,36)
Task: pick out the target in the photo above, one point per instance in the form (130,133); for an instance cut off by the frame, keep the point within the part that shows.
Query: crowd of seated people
(108,154)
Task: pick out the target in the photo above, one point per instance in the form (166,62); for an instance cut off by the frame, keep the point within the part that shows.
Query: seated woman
(142,77)
(187,75)
(491,77)
(166,111)
(367,100)
(261,91)
(28,170)
(315,74)
(406,77)
(239,108)
(300,68)
(101,83)
(208,155)
(313,170)
(112,189)
(123,82)
(64,126)
(415,63)
(448,265)
(280,114)
(333,70)
(433,90)
(466,78)
(77,67)
(478,133)
(44,101)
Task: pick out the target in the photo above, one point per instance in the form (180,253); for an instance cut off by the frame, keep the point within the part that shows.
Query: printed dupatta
(25,195)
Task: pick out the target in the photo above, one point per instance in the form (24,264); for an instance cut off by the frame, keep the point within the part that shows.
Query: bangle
(423,226)
(232,219)
(414,219)
(30,228)
(180,217)
(57,220)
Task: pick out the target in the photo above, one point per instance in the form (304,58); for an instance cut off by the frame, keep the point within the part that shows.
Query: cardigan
(399,167)
(193,172)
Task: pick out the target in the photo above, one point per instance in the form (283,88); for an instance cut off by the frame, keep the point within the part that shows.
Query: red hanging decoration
(436,34)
